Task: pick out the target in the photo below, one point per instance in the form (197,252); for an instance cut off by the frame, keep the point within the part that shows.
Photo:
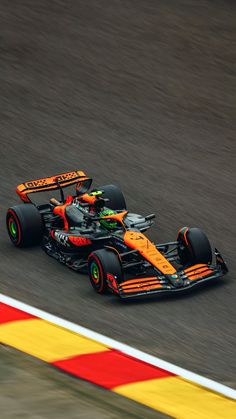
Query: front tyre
(100,263)
(24,225)
(194,246)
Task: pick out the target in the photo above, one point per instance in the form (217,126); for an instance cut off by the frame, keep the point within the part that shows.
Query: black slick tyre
(24,225)
(115,196)
(194,246)
(100,263)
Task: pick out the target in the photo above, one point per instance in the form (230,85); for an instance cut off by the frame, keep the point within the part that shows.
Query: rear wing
(54,182)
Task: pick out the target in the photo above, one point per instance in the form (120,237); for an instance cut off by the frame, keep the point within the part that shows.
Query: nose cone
(138,241)
(175,280)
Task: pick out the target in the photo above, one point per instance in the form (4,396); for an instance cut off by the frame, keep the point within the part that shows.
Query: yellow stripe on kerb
(45,340)
(179,398)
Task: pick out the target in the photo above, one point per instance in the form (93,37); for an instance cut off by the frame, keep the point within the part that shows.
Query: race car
(92,231)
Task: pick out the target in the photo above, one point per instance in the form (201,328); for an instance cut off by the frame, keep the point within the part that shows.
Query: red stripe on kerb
(110,368)
(11,314)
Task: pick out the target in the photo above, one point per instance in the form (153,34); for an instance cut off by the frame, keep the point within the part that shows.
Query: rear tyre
(194,246)
(24,225)
(115,195)
(100,263)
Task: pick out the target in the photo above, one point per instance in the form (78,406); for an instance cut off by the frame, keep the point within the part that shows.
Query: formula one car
(92,231)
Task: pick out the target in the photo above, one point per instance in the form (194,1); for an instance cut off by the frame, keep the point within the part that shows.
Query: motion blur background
(140,94)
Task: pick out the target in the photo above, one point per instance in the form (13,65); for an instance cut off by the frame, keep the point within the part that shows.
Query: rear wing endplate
(54,182)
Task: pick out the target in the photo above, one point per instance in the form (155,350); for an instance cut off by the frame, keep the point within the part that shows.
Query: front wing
(149,286)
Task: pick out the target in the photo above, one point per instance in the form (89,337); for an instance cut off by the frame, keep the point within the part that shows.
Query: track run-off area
(112,365)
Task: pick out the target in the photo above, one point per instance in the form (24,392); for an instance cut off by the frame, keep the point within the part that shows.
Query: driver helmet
(108,223)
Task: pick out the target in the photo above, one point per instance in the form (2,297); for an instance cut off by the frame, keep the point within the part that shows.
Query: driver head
(108,223)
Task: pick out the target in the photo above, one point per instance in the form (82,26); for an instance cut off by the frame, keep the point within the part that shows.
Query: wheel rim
(95,272)
(13,228)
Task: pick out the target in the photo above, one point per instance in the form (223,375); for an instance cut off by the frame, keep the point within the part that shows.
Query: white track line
(126,349)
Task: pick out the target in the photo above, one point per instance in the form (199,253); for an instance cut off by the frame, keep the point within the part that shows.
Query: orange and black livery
(92,231)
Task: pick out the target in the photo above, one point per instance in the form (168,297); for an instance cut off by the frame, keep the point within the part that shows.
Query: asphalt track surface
(140,94)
